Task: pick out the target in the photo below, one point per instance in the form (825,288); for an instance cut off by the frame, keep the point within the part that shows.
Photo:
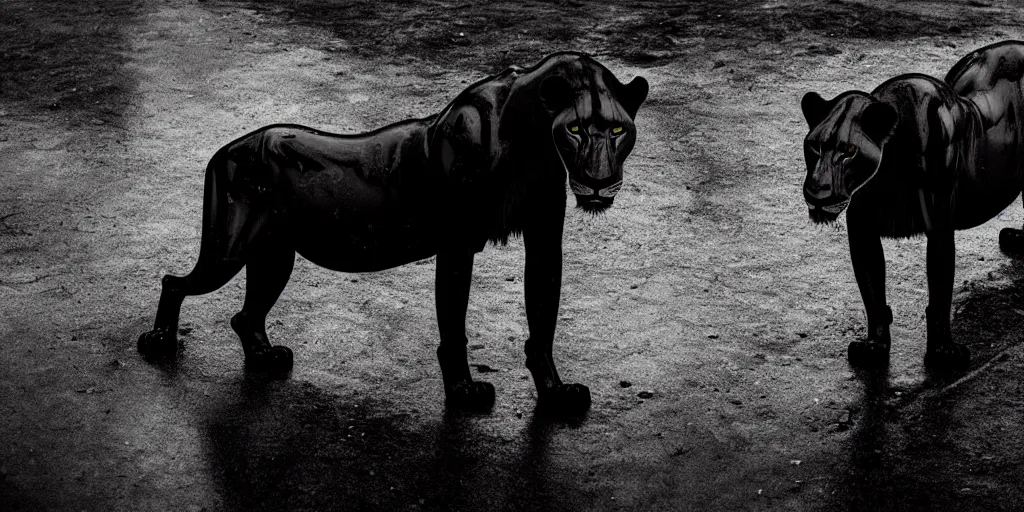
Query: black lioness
(491,165)
(918,155)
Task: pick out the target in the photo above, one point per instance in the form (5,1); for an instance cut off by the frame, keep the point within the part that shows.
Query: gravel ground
(708,315)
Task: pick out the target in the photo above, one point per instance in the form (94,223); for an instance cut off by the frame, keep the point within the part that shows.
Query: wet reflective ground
(706,313)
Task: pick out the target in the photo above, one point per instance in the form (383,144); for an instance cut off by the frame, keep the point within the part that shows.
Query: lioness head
(592,128)
(843,149)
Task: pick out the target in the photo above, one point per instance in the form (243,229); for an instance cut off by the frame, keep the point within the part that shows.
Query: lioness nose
(817,191)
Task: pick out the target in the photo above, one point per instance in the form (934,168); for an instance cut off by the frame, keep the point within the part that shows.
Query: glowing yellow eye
(574,128)
(617,130)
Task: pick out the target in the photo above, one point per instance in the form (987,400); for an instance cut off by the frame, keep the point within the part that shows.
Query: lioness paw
(471,395)
(948,357)
(868,354)
(275,360)
(566,399)
(158,344)
(1011,241)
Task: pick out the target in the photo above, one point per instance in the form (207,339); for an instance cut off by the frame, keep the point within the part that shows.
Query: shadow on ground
(290,446)
(945,445)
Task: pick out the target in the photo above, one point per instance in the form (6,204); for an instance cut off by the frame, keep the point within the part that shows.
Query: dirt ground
(705,286)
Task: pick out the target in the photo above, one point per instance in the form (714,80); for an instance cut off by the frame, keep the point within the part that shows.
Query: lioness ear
(633,95)
(878,122)
(555,93)
(815,108)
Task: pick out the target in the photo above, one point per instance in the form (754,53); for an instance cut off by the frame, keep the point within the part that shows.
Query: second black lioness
(914,156)
(492,164)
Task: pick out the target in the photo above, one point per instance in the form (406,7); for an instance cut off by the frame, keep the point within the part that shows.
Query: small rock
(483,368)
(712,336)
(634,286)
(802,334)
(510,279)
(625,383)
(718,64)
(736,401)
(476,347)
(97,121)
(645,394)
(845,417)
(795,462)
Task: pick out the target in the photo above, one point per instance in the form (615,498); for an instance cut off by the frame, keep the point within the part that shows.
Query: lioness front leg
(452,283)
(868,260)
(542,287)
(942,352)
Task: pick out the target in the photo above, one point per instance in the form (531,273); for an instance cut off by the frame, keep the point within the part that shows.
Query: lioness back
(347,202)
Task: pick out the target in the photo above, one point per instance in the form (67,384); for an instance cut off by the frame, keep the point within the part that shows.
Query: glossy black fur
(918,156)
(494,163)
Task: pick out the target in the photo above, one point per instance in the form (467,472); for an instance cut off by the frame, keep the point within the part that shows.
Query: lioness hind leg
(265,278)
(230,231)
(208,275)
